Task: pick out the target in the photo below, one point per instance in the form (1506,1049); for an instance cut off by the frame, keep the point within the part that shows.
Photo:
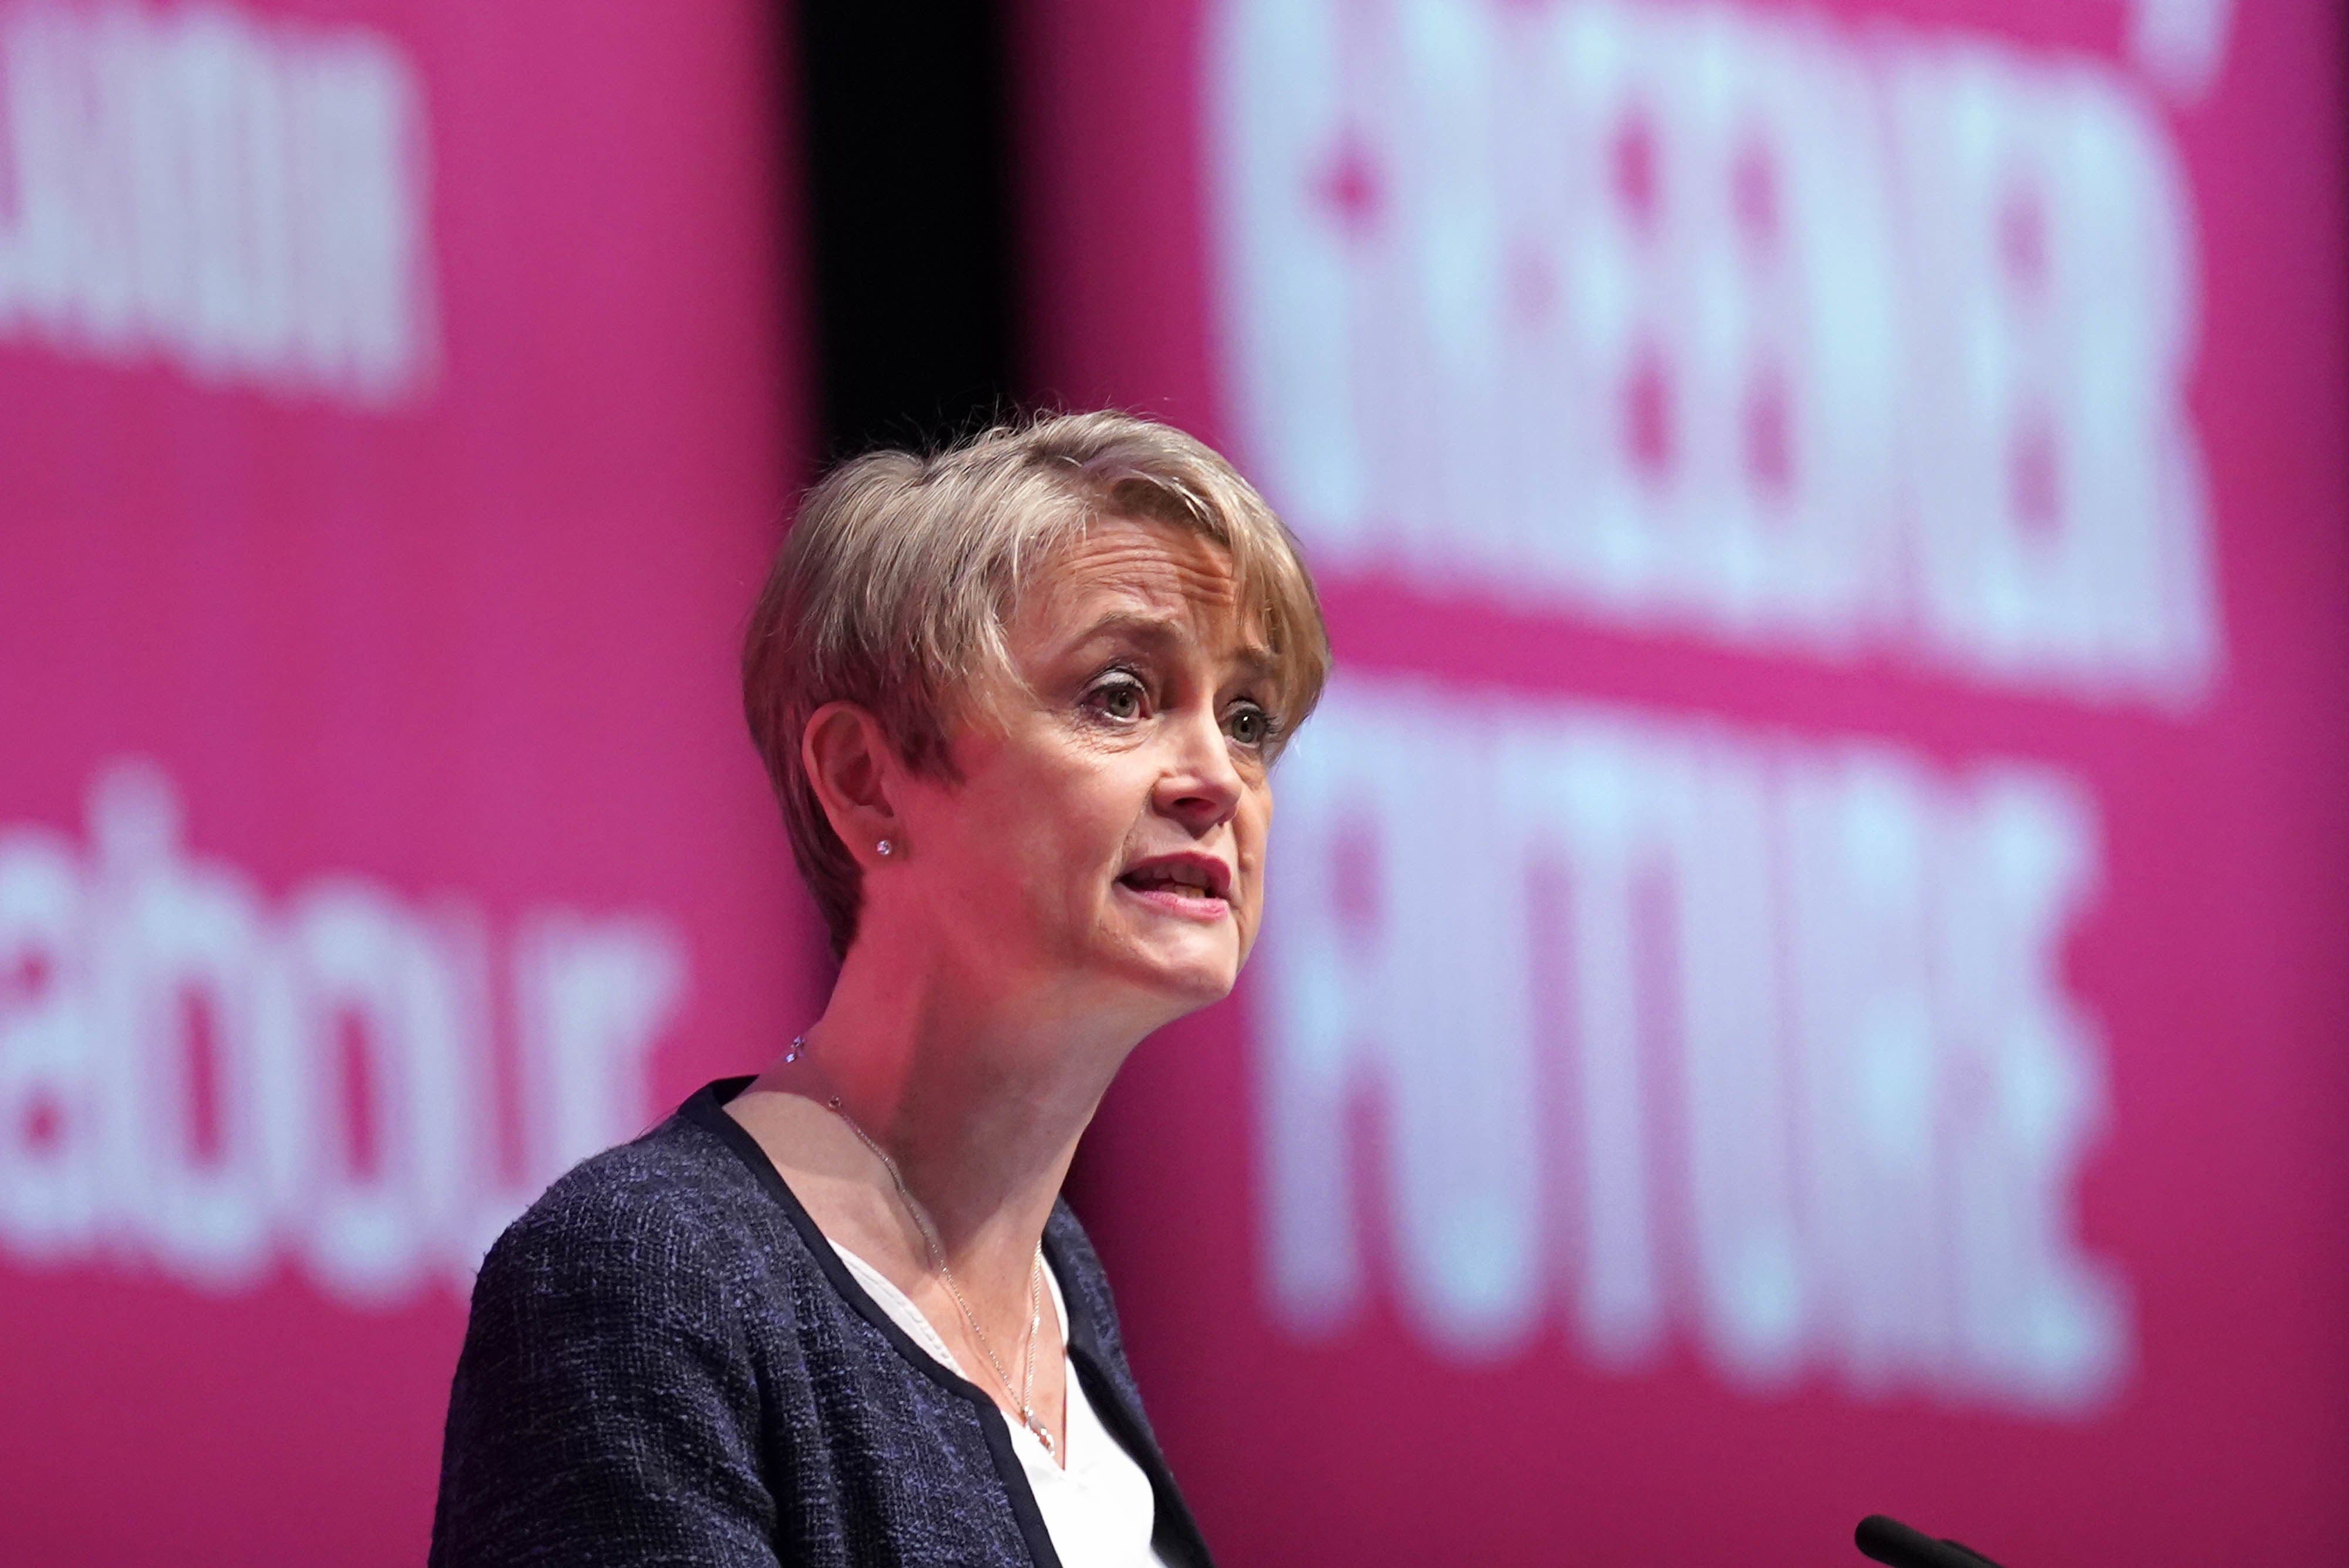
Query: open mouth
(1196,883)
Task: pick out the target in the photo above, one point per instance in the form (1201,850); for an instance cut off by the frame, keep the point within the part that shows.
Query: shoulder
(678,1171)
(614,1382)
(672,1226)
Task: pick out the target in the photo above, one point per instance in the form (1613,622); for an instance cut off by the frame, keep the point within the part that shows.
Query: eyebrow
(1164,630)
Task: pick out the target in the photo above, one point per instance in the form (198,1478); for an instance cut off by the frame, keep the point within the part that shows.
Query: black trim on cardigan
(1175,1526)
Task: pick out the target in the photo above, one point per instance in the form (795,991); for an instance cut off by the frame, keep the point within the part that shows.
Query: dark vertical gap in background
(906,149)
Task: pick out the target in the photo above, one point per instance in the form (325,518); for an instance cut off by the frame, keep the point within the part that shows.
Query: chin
(1197,991)
(1185,981)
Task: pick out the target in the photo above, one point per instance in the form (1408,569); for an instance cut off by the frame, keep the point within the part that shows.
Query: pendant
(1028,1417)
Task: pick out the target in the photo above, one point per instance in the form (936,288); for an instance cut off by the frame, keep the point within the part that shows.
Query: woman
(1021,703)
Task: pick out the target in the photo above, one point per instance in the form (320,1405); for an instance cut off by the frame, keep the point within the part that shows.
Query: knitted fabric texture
(666,1364)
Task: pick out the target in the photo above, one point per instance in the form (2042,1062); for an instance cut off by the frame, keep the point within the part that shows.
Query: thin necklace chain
(1025,1394)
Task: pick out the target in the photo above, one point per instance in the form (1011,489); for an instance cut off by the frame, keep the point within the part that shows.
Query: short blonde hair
(894,587)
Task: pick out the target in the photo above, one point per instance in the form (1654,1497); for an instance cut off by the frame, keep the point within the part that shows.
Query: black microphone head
(1889,1540)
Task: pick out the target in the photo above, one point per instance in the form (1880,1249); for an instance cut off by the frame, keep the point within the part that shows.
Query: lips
(1187,877)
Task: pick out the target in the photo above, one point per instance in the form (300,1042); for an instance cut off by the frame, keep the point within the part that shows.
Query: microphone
(1889,1541)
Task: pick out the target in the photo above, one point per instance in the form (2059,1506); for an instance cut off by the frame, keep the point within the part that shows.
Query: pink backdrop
(400,411)
(1806,970)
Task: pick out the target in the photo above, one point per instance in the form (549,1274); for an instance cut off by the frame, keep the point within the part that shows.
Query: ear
(852,767)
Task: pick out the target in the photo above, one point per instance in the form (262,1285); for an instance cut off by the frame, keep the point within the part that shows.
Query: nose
(1200,787)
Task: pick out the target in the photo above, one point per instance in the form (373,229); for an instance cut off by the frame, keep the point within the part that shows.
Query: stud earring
(884,847)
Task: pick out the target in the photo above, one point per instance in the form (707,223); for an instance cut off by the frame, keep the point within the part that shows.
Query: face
(1105,841)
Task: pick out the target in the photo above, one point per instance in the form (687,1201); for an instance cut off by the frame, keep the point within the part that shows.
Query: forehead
(1119,568)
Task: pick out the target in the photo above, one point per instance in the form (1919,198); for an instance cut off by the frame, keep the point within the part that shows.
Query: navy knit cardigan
(667,1363)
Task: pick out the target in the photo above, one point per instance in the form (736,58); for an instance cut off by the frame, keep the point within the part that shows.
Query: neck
(979,1093)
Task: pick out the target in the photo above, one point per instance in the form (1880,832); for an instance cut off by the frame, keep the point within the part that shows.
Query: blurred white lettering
(193,1076)
(246,200)
(1686,1027)
(1696,319)
(2181,44)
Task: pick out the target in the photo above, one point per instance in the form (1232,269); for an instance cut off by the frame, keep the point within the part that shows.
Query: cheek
(1074,828)
(1251,828)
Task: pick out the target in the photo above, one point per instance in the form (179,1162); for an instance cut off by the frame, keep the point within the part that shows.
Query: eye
(1118,696)
(1248,724)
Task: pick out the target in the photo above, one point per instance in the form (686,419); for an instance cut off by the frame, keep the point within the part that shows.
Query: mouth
(1194,885)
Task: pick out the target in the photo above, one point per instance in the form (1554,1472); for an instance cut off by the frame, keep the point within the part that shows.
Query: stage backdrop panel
(398,412)
(1804,963)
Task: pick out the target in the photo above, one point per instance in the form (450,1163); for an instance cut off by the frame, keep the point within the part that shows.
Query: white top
(1099,1509)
